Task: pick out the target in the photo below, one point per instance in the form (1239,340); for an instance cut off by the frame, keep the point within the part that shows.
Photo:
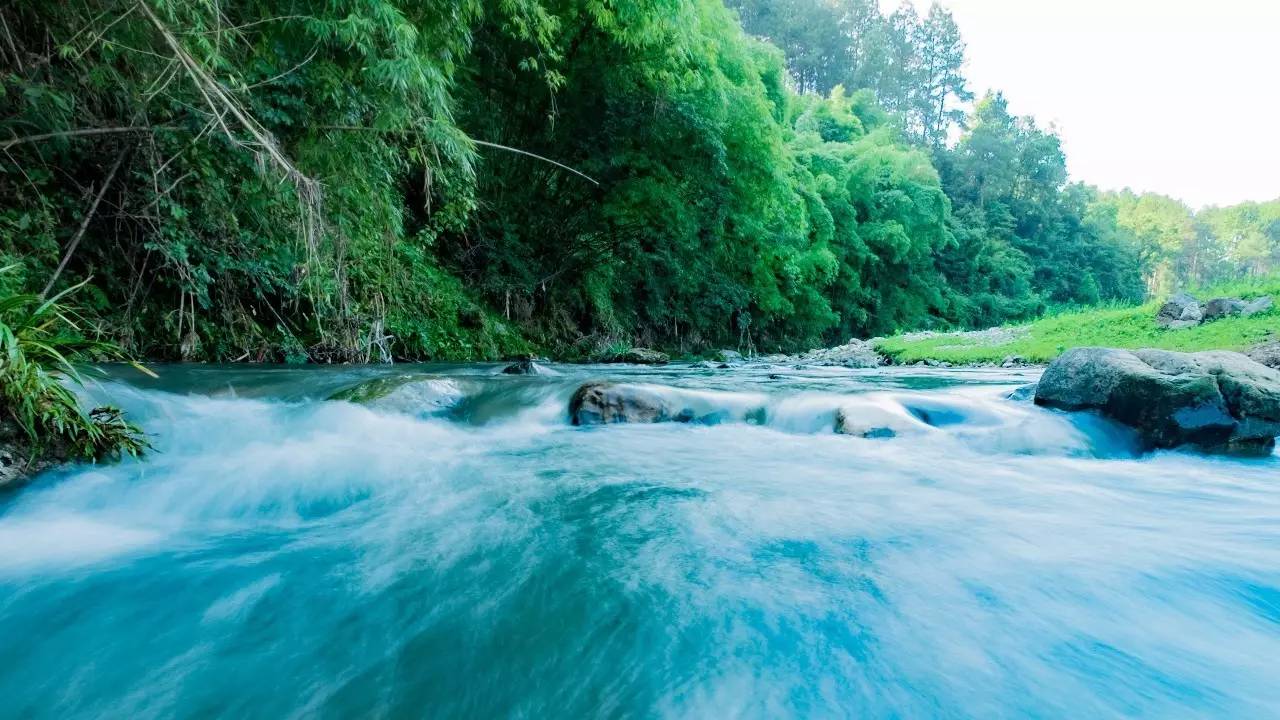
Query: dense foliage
(40,347)
(1180,247)
(363,179)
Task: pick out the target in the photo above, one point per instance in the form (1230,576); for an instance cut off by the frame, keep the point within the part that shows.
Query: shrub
(43,356)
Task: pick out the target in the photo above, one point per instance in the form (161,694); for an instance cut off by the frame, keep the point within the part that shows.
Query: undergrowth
(42,358)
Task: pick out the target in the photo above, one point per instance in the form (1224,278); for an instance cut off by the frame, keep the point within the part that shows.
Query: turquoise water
(462,551)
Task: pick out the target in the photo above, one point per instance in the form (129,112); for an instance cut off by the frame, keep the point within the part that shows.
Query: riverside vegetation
(284,180)
(288,180)
(44,422)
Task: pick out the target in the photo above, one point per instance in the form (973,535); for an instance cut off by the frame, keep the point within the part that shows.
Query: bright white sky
(1180,97)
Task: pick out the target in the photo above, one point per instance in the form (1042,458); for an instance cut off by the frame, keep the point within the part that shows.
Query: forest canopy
(367,179)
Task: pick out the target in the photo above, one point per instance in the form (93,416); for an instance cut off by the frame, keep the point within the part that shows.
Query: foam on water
(295,558)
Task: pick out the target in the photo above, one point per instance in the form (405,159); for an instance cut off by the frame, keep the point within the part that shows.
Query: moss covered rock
(410,393)
(1216,401)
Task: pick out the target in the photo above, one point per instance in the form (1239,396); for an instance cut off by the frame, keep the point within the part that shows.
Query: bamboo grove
(359,180)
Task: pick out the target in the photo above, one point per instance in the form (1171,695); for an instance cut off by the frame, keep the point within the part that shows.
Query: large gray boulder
(1267,353)
(602,403)
(1257,305)
(1181,310)
(605,403)
(1217,401)
(1222,307)
(729,356)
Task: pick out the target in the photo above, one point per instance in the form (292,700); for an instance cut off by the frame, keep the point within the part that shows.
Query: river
(466,552)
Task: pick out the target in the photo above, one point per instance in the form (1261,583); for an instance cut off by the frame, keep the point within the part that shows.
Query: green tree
(940,84)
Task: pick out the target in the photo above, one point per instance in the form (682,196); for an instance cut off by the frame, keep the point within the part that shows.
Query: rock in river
(1216,401)
(606,403)
(639,356)
(408,393)
(524,366)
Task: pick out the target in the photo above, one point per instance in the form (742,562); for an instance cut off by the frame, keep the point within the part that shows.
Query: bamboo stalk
(84,223)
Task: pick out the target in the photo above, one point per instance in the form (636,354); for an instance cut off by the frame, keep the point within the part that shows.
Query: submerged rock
(1181,310)
(873,423)
(524,366)
(1216,401)
(410,393)
(639,356)
(1026,393)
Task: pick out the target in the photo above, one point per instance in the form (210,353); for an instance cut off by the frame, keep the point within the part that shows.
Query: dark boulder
(1222,307)
(524,366)
(1216,401)
(1179,311)
(606,403)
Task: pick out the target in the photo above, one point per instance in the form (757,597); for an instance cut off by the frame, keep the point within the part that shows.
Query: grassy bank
(1122,327)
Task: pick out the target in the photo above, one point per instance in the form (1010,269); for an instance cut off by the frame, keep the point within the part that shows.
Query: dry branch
(84,223)
(75,133)
(221,103)
(482,143)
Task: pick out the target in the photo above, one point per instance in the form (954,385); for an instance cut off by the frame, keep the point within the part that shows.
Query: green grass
(1120,327)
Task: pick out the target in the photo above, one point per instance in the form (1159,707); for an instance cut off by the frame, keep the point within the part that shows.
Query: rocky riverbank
(19,462)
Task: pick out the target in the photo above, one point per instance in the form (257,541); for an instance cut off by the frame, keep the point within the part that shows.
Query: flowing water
(458,549)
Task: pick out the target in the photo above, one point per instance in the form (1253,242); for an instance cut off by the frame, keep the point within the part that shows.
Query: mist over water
(466,552)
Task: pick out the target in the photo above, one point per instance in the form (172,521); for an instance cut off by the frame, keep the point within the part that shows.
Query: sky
(1179,97)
